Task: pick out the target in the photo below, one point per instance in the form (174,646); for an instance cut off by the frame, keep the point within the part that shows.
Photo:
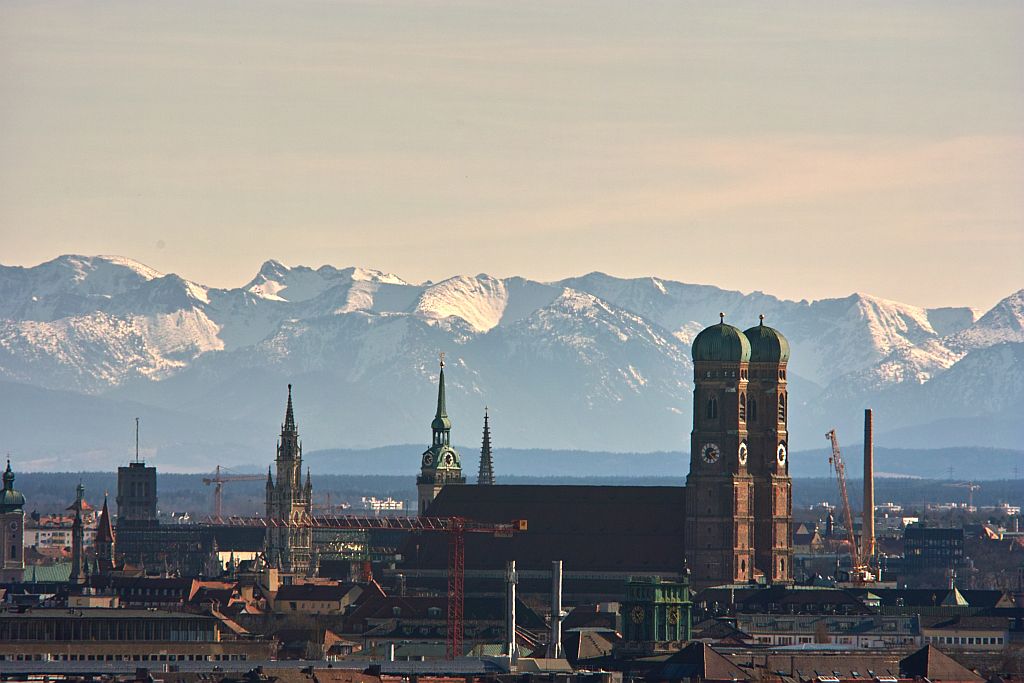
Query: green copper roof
(10,500)
(721,342)
(767,345)
(441,420)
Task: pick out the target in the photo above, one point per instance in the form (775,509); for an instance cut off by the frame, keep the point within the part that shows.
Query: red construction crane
(218,480)
(455,527)
(859,572)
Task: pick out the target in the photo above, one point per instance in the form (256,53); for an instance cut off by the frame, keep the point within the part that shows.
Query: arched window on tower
(712,408)
(752,409)
(743,407)
(782,408)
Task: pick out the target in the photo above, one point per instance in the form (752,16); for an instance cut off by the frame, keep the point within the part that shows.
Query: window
(712,408)
(782,408)
(14,552)
(752,409)
(743,407)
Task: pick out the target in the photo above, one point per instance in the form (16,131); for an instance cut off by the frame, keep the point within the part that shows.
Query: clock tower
(719,488)
(440,464)
(768,436)
(12,530)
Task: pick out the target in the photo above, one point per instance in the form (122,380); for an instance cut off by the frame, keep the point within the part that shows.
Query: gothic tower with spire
(486,475)
(104,543)
(289,548)
(440,464)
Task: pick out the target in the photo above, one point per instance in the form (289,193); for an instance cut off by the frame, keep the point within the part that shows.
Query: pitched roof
(312,591)
(600,528)
(929,662)
(929,597)
(697,660)
(104,530)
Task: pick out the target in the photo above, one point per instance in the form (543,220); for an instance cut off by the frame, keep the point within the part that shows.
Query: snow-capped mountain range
(592,362)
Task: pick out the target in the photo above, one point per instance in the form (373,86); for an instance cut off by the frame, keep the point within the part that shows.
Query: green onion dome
(767,345)
(10,500)
(722,343)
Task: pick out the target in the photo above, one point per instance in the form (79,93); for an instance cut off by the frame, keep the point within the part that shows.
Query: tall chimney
(555,642)
(511,579)
(868,532)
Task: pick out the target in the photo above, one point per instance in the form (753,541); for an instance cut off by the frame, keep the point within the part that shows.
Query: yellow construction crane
(860,572)
(971,488)
(218,480)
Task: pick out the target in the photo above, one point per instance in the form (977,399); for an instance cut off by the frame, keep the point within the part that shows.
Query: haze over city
(834,148)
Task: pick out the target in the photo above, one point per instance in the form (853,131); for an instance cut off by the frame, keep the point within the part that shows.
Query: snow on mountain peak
(1003,323)
(480,301)
(278,282)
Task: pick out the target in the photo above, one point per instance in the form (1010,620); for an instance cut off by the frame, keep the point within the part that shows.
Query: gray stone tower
(289,548)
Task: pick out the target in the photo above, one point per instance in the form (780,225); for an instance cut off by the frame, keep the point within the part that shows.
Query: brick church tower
(768,439)
(719,488)
(289,548)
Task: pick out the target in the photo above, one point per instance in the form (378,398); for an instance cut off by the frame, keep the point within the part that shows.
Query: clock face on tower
(781,454)
(710,453)
(448,459)
(428,459)
(742,455)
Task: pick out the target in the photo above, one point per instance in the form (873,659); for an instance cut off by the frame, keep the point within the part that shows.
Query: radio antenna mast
(136,440)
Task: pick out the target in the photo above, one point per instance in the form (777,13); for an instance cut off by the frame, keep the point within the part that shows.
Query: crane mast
(860,572)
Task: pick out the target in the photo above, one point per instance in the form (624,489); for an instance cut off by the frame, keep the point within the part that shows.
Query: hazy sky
(807,149)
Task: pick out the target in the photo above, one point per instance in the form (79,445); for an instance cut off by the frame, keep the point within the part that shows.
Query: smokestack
(511,579)
(555,644)
(868,533)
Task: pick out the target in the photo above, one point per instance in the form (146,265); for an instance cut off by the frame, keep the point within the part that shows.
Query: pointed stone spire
(309,484)
(486,474)
(270,478)
(289,415)
(104,543)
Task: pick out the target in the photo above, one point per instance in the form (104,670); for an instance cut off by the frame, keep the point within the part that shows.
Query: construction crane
(971,488)
(218,480)
(860,572)
(455,527)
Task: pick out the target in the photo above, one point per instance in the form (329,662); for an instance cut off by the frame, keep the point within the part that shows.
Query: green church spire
(440,464)
(441,422)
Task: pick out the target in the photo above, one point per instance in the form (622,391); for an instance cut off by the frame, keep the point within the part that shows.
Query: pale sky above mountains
(804,149)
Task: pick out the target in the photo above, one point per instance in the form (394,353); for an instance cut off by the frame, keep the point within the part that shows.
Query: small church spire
(442,408)
(441,424)
(289,415)
(486,474)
